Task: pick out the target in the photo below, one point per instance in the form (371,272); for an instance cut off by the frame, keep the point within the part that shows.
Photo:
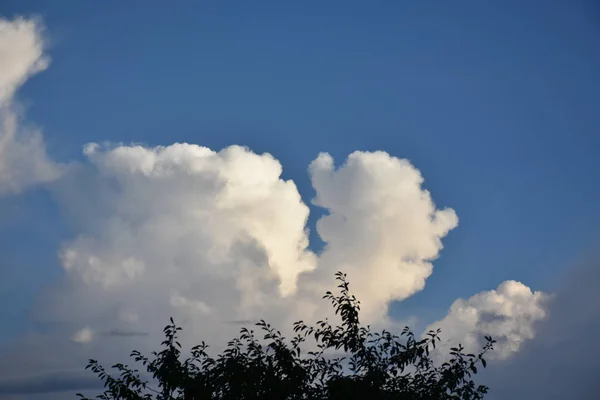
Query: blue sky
(496,105)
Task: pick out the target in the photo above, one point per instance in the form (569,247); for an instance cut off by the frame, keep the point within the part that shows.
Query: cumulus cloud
(509,314)
(213,236)
(180,231)
(23,159)
(383,228)
(201,230)
(562,362)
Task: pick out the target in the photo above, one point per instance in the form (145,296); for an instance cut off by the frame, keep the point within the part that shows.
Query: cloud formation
(23,159)
(383,228)
(203,233)
(210,237)
(213,236)
(509,314)
(562,362)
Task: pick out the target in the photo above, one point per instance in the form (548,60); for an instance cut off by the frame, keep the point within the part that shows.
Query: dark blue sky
(495,102)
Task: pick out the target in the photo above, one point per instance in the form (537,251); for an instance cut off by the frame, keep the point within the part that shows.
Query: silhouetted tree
(372,366)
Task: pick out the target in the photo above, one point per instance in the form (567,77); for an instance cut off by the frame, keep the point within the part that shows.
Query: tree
(377,366)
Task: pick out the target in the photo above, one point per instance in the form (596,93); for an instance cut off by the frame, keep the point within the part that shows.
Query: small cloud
(562,361)
(508,314)
(82,336)
(21,54)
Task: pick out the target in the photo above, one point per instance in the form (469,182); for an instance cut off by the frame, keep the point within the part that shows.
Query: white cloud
(23,159)
(562,361)
(84,335)
(383,228)
(21,54)
(508,314)
(211,236)
(179,230)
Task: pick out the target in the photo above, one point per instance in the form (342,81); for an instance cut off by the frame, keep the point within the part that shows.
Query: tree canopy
(349,361)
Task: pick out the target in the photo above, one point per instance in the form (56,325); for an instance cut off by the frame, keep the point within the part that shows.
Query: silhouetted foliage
(372,366)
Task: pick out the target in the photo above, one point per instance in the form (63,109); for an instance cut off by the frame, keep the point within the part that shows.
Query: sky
(220,161)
